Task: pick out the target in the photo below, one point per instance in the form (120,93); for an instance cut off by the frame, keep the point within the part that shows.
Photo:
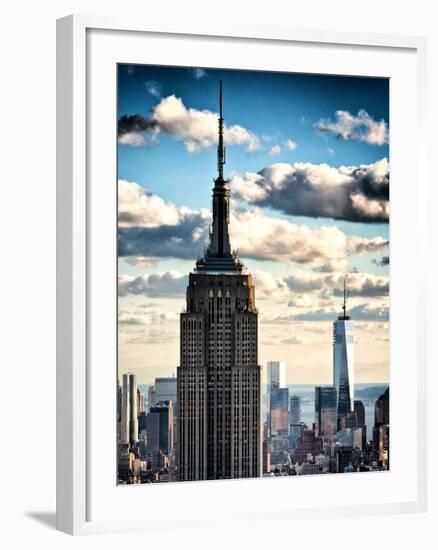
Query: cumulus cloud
(318,297)
(275,150)
(143,317)
(168,284)
(360,127)
(355,193)
(361,312)
(141,261)
(150,227)
(136,130)
(152,336)
(291,145)
(196,129)
(323,286)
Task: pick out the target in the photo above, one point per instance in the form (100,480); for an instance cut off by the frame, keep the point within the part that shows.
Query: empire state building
(219,379)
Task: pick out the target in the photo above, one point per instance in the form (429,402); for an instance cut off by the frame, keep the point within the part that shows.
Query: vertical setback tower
(219,379)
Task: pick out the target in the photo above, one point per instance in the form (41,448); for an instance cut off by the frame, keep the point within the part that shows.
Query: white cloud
(354,193)
(258,236)
(150,227)
(196,129)
(291,145)
(324,286)
(137,206)
(360,127)
(168,284)
(135,139)
(141,261)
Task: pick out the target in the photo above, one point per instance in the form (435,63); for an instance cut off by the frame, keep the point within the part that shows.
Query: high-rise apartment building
(219,379)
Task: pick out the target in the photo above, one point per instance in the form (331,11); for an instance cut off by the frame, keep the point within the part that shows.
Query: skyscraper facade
(125,413)
(359,410)
(129,410)
(276,374)
(279,405)
(295,409)
(343,362)
(133,409)
(165,389)
(325,411)
(164,411)
(275,379)
(219,379)
(381,429)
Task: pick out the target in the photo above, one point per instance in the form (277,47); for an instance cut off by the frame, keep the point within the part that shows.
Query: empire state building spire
(218,256)
(220,148)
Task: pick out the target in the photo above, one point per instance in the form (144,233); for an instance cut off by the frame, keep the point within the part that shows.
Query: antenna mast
(220,147)
(346,293)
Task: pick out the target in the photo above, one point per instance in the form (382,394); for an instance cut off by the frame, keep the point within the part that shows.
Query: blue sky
(293,135)
(278,105)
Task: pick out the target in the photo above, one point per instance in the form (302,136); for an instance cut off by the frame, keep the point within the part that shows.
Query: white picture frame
(75,215)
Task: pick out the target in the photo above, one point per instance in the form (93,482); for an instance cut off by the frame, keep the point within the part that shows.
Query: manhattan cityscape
(268,355)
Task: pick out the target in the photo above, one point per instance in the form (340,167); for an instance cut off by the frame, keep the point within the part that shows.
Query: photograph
(253,274)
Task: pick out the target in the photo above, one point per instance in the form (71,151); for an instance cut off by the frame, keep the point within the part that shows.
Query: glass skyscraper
(325,411)
(343,361)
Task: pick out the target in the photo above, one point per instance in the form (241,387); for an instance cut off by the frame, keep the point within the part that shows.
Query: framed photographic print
(237,313)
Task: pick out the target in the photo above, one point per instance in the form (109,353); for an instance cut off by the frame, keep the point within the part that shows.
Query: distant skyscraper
(165,389)
(381,429)
(295,409)
(279,414)
(140,402)
(219,379)
(153,433)
(381,409)
(276,378)
(359,409)
(151,397)
(129,410)
(343,360)
(125,411)
(266,456)
(325,411)
(276,375)
(164,411)
(295,431)
(133,409)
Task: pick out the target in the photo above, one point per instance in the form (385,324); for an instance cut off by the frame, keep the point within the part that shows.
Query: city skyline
(298,290)
(218,424)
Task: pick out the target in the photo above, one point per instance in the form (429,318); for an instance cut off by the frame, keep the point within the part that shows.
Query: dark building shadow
(45,518)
